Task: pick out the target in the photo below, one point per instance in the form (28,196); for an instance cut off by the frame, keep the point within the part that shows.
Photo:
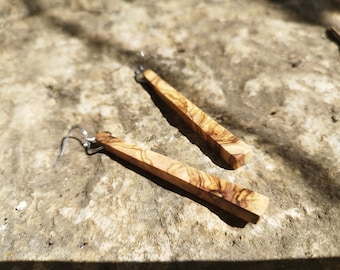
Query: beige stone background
(264,69)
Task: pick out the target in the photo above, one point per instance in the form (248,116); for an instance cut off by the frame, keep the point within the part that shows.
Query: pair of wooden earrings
(239,201)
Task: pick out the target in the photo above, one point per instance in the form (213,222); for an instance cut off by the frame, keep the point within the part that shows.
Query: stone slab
(264,70)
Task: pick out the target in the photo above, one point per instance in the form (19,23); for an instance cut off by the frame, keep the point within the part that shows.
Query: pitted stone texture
(262,69)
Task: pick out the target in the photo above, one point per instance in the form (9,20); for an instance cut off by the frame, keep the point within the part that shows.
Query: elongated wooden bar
(234,151)
(241,202)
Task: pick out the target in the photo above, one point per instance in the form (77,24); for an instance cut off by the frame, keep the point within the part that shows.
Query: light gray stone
(264,70)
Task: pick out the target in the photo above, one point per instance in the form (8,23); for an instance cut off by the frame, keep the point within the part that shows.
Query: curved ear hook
(87,143)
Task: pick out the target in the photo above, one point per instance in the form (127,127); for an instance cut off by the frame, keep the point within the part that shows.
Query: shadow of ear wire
(226,217)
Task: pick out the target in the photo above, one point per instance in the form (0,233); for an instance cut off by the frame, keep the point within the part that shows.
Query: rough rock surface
(264,69)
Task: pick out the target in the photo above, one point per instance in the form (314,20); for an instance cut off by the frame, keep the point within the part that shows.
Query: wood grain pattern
(234,151)
(241,202)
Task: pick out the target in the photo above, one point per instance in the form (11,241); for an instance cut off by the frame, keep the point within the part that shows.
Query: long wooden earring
(239,201)
(233,150)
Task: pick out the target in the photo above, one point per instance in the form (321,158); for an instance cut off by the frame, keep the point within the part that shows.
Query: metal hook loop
(139,71)
(87,143)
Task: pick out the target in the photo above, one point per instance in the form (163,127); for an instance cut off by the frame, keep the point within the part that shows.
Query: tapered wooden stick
(233,150)
(241,202)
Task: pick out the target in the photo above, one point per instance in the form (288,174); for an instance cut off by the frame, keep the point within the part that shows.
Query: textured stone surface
(265,70)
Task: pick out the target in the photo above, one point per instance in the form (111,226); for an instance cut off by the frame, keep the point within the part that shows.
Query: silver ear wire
(87,143)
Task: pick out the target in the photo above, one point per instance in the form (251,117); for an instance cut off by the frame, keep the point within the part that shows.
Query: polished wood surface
(241,202)
(234,151)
